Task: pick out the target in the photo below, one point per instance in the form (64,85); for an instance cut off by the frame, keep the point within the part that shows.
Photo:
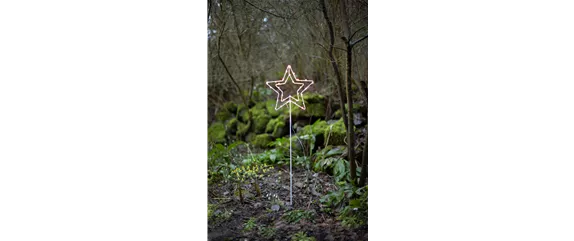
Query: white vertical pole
(290,160)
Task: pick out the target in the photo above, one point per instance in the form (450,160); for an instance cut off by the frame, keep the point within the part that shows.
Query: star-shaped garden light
(280,87)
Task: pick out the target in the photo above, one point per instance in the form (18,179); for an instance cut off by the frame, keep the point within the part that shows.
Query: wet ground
(268,212)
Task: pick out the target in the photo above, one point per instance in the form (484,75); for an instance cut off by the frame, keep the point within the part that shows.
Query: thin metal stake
(290,161)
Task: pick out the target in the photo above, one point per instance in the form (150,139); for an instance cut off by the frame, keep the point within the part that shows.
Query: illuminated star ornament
(281,86)
(285,90)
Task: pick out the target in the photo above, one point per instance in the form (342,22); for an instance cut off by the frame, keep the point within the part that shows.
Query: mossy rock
(260,118)
(313,98)
(317,129)
(230,106)
(216,133)
(356,108)
(262,140)
(276,127)
(250,137)
(338,114)
(315,110)
(223,115)
(231,126)
(243,128)
(270,106)
(335,133)
(242,113)
(314,107)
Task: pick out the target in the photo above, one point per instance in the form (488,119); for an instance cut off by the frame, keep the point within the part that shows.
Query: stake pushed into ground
(280,87)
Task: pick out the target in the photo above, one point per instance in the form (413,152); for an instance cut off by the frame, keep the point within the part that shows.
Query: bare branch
(279,16)
(326,50)
(361,39)
(225,66)
(353,35)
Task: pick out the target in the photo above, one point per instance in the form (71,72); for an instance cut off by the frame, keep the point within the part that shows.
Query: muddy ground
(308,188)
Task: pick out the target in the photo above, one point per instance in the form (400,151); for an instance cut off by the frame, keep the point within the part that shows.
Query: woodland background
(250,42)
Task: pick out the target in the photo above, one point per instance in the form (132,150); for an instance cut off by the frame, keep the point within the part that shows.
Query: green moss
(276,127)
(242,113)
(317,129)
(335,133)
(260,118)
(270,106)
(295,111)
(222,115)
(231,126)
(338,114)
(243,128)
(250,137)
(356,107)
(216,133)
(261,140)
(313,98)
(314,106)
(230,106)
(279,130)
(315,110)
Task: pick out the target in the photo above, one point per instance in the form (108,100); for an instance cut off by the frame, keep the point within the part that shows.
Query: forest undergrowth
(248,192)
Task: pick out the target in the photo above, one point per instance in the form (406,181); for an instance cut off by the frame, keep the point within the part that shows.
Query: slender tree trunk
(350,127)
(349,82)
(334,63)
(364,165)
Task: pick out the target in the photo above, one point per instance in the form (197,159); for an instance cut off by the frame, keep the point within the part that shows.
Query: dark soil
(308,188)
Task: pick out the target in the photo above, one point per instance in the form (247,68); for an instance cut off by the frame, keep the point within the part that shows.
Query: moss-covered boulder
(317,130)
(335,133)
(230,106)
(223,115)
(338,114)
(277,127)
(262,140)
(314,106)
(242,113)
(243,128)
(231,126)
(216,133)
(250,137)
(260,118)
(270,106)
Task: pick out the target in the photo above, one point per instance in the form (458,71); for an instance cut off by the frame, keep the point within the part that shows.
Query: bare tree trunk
(349,82)
(350,127)
(364,165)
(334,63)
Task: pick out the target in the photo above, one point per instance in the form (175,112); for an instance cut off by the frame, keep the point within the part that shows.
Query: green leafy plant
(273,156)
(266,232)
(220,161)
(350,202)
(210,210)
(327,152)
(295,216)
(308,143)
(301,236)
(355,214)
(249,225)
